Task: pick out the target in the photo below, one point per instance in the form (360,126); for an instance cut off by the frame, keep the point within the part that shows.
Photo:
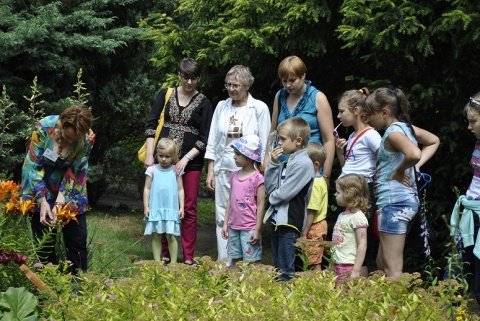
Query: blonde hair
(471,106)
(291,65)
(355,191)
(170,146)
(296,127)
(317,153)
(79,118)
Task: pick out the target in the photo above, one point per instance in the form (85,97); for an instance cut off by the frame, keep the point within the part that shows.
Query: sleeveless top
(306,109)
(392,191)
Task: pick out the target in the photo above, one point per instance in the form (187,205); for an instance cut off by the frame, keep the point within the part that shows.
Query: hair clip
(473,101)
(360,91)
(394,92)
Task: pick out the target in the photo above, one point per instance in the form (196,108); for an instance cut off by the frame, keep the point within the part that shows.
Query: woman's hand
(149,161)
(180,166)
(210,182)
(46,215)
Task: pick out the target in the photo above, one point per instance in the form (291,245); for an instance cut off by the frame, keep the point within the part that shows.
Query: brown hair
(291,65)
(355,190)
(355,98)
(79,118)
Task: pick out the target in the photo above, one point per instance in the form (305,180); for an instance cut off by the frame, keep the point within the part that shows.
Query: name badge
(50,154)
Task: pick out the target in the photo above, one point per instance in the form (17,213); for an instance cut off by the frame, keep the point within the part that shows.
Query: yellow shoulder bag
(142,152)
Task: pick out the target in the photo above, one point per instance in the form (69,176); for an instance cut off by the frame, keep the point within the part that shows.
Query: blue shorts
(397,218)
(239,246)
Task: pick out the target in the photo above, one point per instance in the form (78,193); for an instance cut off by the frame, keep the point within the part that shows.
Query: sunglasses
(335,132)
(474,102)
(425,177)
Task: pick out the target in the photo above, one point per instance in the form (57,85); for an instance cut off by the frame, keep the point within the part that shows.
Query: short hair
(79,118)
(291,65)
(170,146)
(242,74)
(472,106)
(296,127)
(317,153)
(355,191)
(189,68)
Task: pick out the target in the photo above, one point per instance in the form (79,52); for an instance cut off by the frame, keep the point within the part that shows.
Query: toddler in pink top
(245,207)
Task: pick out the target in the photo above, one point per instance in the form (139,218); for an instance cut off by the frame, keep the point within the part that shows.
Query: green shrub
(210,291)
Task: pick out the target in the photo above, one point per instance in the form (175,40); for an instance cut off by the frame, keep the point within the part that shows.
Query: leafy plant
(18,304)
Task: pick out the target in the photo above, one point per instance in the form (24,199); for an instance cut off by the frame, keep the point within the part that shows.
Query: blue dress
(163,202)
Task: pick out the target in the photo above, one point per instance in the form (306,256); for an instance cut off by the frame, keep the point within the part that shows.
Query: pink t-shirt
(243,201)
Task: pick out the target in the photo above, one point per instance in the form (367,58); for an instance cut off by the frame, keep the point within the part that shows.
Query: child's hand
(181,214)
(276,153)
(401,177)
(225,231)
(303,235)
(340,144)
(146,212)
(255,238)
(354,274)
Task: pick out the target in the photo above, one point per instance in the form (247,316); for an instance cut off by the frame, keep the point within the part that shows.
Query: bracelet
(327,177)
(59,203)
(188,156)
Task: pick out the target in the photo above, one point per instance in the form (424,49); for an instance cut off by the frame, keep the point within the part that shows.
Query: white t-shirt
(362,159)
(344,238)
(235,131)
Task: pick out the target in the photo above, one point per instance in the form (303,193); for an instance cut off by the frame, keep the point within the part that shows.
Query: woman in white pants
(239,115)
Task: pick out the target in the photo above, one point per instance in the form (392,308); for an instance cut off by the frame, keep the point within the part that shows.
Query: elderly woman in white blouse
(239,115)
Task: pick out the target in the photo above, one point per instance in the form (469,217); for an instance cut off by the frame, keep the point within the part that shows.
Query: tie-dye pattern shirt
(43,178)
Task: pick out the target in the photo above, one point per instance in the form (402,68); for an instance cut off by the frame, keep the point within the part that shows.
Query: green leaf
(22,305)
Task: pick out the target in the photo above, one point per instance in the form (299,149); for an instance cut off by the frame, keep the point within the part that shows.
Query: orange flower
(6,187)
(25,206)
(65,214)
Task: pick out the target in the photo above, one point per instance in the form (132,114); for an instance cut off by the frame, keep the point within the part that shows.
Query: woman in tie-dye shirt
(54,173)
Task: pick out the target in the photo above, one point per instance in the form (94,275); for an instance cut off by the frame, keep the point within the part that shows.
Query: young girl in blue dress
(163,199)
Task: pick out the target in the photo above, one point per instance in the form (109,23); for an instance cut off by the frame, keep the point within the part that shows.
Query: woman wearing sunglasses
(239,115)
(188,114)
(300,98)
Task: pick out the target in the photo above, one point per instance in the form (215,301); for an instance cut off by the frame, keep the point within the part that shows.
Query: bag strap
(162,116)
(355,140)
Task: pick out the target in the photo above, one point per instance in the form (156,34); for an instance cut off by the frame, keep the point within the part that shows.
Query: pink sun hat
(249,146)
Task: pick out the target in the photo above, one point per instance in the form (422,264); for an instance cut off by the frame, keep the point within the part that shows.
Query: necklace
(60,152)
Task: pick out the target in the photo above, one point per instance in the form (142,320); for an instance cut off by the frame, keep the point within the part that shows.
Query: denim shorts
(239,246)
(397,218)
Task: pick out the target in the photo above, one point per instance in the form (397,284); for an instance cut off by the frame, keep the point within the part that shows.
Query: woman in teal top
(55,172)
(300,98)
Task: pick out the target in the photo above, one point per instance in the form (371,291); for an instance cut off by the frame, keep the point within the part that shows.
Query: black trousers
(74,236)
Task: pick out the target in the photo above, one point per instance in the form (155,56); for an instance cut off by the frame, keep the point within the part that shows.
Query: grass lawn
(116,236)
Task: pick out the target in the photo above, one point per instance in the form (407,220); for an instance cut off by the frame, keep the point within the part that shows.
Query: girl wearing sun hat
(245,207)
